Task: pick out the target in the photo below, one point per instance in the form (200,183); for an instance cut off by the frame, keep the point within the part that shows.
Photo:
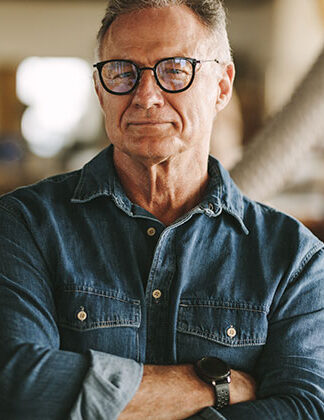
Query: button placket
(158,286)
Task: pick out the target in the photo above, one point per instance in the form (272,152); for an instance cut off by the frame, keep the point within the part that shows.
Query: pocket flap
(85,308)
(229,323)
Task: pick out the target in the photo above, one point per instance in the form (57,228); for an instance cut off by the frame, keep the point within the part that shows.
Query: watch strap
(221,393)
(217,373)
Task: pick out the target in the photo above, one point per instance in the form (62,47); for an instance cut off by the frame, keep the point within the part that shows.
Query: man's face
(149,124)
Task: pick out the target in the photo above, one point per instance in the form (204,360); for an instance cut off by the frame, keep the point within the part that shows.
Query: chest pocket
(103,320)
(232,331)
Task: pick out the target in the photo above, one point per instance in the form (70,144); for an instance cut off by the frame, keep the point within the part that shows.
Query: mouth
(148,123)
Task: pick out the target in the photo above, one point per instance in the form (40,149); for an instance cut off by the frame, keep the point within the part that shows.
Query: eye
(175,68)
(125,75)
(175,71)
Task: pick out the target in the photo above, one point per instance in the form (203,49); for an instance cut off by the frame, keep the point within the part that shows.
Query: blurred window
(57,92)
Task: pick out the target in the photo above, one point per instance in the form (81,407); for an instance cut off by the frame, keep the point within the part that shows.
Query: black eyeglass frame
(193,61)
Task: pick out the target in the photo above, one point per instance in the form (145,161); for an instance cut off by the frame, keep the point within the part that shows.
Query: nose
(147,93)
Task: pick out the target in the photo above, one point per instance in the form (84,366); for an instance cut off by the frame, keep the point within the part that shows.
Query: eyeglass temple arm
(209,61)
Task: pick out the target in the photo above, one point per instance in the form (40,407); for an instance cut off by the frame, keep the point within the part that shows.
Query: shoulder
(50,192)
(264,223)
(272,222)
(282,239)
(275,240)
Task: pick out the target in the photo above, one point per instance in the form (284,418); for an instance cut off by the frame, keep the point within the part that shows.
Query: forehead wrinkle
(148,43)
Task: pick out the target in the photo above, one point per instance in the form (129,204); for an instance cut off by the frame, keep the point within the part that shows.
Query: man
(141,285)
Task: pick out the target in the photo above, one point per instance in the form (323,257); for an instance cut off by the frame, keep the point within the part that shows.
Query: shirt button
(82,315)
(157,294)
(151,231)
(231,332)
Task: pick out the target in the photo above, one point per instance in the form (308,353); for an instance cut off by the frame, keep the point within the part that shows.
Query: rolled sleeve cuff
(109,385)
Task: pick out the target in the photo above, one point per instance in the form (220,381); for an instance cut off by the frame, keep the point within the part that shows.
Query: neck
(167,189)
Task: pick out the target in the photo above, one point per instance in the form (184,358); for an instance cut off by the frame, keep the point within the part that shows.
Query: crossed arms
(39,380)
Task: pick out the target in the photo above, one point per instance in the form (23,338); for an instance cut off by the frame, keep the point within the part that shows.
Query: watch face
(214,368)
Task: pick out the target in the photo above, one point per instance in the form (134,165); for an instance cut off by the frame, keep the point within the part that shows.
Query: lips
(149,122)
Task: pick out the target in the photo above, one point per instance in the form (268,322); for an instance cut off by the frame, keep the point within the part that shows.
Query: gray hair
(211,13)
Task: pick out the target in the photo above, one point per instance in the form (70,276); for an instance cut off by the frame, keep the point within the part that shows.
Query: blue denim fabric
(88,294)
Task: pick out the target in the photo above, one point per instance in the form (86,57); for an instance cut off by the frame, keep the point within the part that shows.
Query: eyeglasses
(172,74)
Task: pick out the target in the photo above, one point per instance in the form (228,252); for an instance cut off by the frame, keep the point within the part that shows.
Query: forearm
(175,392)
(168,392)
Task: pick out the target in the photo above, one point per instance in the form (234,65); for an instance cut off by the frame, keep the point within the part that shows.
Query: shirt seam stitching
(11,211)
(310,254)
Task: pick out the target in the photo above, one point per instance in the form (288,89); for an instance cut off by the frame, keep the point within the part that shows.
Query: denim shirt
(93,286)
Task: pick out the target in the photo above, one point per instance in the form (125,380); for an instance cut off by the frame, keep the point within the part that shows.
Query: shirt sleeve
(290,371)
(37,379)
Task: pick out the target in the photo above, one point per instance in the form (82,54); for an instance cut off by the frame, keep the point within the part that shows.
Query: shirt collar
(99,178)
(225,193)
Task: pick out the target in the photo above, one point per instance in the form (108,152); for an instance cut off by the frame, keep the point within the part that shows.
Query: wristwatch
(215,372)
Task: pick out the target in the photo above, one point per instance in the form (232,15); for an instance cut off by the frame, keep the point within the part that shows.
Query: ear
(97,86)
(225,87)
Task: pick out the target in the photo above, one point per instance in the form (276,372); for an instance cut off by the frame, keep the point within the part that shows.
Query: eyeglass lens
(173,74)
(119,76)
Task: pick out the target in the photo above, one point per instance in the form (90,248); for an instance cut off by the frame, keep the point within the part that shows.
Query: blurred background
(50,120)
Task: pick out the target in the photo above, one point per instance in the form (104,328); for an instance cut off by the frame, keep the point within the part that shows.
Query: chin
(152,149)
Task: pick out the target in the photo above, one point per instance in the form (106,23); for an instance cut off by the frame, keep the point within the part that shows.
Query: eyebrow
(142,64)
